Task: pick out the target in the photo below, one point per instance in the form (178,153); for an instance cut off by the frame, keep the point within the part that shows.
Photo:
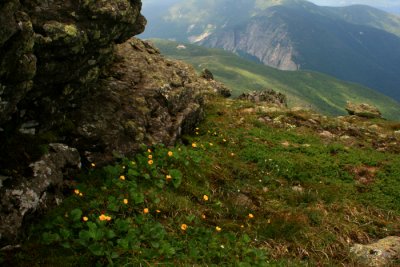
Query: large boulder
(363,110)
(143,99)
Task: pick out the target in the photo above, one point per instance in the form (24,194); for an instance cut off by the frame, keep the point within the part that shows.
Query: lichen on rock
(32,195)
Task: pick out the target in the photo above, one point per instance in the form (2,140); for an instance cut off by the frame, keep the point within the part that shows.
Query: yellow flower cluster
(205,198)
(122,177)
(170,154)
(77,192)
(103,217)
(125,201)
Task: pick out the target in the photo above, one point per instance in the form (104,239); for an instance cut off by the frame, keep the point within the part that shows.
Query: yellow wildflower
(85,219)
(184,227)
(242,226)
(203,216)
(146,210)
(232,154)
(251,216)
(102,217)
(197,133)
(122,177)
(126,201)
(108,218)
(80,194)
(224,140)
(205,198)
(158,211)
(211,144)
(168,177)
(170,154)
(150,156)
(218,229)
(150,162)
(76,191)
(149,150)
(197,129)
(93,165)
(194,145)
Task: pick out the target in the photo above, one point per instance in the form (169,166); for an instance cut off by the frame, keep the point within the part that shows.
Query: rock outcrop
(363,110)
(70,73)
(267,96)
(144,98)
(54,48)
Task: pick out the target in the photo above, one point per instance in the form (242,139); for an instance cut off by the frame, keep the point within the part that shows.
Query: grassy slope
(280,194)
(322,92)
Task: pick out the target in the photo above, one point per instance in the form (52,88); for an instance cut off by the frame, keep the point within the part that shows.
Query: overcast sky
(380,3)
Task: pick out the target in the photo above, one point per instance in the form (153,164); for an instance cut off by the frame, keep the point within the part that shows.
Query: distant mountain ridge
(356,43)
(308,89)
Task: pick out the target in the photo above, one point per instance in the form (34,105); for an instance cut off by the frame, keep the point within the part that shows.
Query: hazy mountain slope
(366,15)
(356,43)
(304,88)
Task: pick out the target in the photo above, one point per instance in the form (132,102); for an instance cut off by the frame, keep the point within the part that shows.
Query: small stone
(327,134)
(298,188)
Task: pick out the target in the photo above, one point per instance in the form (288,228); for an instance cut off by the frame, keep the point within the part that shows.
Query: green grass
(314,90)
(302,192)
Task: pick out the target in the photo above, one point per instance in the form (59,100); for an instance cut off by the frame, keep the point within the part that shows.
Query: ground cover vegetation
(247,187)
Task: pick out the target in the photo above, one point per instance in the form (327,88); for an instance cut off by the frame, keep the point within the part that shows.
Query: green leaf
(123,243)
(136,196)
(176,177)
(110,234)
(76,215)
(122,225)
(246,238)
(65,234)
(49,238)
(96,249)
(85,236)
(133,173)
(66,245)
(190,218)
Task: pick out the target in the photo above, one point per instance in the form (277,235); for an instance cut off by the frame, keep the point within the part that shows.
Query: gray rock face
(380,253)
(27,196)
(267,42)
(363,110)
